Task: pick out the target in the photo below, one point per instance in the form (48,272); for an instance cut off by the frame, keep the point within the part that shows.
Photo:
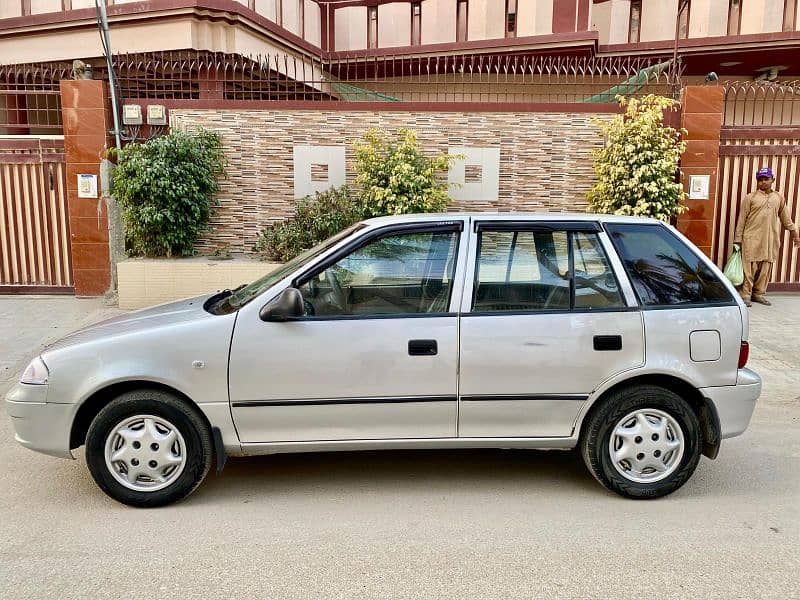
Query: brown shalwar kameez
(758,230)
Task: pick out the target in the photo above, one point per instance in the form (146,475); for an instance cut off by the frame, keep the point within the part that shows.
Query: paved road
(461,524)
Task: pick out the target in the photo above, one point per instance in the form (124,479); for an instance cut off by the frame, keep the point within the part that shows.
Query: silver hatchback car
(611,334)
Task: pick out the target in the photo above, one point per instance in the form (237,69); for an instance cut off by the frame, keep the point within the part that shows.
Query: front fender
(190,357)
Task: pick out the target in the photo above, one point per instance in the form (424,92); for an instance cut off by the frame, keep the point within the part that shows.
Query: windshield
(245,294)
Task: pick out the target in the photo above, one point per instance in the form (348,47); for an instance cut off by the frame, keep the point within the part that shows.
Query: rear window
(663,269)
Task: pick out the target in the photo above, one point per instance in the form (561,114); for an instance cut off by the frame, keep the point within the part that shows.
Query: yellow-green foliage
(395,177)
(636,168)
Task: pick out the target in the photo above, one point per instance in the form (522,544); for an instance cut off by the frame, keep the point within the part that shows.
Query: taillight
(744,354)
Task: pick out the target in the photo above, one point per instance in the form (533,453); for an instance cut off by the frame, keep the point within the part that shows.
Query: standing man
(758,233)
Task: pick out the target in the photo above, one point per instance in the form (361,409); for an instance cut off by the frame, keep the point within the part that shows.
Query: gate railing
(30,101)
(762,104)
(179,75)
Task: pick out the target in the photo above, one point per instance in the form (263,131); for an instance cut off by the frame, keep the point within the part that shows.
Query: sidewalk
(775,348)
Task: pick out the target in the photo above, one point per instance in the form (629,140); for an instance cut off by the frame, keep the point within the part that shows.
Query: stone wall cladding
(545,158)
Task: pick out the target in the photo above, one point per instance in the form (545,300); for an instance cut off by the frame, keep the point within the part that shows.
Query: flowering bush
(396,177)
(636,167)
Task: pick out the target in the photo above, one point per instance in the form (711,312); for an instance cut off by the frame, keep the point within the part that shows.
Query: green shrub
(396,177)
(637,166)
(315,220)
(165,187)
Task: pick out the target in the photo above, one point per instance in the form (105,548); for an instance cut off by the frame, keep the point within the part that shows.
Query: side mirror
(288,305)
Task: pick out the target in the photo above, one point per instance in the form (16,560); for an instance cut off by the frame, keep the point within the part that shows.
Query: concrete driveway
(460,524)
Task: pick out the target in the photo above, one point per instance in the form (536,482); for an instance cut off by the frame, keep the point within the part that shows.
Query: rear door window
(664,271)
(529,270)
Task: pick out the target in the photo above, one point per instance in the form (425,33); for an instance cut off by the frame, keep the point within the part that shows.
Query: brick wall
(545,159)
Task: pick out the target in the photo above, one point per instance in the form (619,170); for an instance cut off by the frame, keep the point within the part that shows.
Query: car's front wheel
(148,448)
(642,442)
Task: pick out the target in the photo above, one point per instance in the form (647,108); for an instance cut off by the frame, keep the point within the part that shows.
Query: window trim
(701,257)
(568,227)
(588,226)
(372,236)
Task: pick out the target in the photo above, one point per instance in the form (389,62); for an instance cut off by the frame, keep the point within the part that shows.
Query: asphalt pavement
(413,524)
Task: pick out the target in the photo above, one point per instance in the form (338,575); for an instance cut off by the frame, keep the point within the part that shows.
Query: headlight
(36,373)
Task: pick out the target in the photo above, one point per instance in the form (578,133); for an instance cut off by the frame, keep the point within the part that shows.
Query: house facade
(730,37)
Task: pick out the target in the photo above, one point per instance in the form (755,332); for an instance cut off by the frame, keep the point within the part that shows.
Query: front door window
(395,275)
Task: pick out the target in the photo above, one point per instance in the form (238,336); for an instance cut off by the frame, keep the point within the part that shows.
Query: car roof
(509,216)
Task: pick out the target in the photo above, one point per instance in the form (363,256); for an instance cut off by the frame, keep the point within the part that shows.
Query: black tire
(598,427)
(185,417)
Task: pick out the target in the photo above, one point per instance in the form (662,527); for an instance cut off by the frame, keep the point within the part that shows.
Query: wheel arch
(702,406)
(100,398)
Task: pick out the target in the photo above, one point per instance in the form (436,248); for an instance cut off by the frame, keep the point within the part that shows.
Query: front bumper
(735,403)
(38,425)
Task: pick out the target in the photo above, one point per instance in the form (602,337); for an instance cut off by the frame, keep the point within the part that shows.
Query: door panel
(549,323)
(341,365)
(547,364)
(375,356)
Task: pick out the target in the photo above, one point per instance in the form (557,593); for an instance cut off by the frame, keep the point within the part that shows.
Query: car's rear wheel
(642,442)
(148,448)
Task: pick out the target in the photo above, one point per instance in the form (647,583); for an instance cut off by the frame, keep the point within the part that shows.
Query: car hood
(172,314)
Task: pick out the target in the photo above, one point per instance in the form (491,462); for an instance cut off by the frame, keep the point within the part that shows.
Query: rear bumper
(38,425)
(735,403)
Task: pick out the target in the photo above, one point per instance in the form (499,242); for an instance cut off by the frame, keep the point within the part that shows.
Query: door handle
(422,348)
(607,342)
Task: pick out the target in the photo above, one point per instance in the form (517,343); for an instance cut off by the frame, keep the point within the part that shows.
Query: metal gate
(761,128)
(34,222)
(738,162)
